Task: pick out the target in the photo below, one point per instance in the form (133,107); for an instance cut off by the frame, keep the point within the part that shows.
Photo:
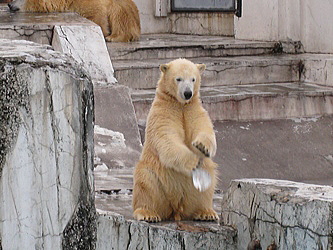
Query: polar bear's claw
(206,215)
(146,215)
(202,148)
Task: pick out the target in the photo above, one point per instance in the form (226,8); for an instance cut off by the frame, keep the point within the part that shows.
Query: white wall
(150,23)
(182,23)
(317,25)
(308,21)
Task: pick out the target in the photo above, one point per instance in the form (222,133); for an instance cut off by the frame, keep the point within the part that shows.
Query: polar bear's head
(181,79)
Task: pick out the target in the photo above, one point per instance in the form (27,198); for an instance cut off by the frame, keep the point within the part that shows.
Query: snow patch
(117,138)
(305,119)
(247,127)
(101,167)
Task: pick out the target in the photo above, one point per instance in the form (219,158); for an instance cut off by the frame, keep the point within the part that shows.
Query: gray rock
(116,232)
(46,158)
(290,214)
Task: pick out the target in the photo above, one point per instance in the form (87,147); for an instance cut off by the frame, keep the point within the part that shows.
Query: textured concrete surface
(293,215)
(317,68)
(298,149)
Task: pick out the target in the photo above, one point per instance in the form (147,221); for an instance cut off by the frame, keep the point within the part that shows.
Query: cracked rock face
(292,215)
(46,150)
(116,232)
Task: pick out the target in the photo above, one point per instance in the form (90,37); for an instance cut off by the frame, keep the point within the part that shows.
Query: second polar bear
(118,19)
(179,137)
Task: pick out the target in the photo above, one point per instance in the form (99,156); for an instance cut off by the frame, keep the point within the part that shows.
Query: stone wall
(46,150)
(292,215)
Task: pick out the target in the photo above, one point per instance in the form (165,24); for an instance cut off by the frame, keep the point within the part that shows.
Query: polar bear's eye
(193,79)
(178,79)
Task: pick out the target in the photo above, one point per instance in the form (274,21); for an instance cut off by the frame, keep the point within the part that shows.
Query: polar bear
(179,137)
(118,19)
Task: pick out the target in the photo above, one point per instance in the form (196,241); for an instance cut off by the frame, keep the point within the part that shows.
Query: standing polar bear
(118,19)
(179,138)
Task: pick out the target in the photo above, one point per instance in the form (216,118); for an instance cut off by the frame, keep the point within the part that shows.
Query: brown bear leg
(149,201)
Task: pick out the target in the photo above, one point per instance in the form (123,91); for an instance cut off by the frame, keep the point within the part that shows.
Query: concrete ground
(293,149)
(299,149)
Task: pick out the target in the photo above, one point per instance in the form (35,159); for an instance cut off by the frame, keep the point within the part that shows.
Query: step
(220,71)
(175,46)
(253,102)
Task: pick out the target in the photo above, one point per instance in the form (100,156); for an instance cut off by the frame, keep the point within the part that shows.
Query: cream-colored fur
(179,133)
(119,19)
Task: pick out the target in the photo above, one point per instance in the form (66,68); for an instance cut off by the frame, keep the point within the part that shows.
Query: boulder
(46,150)
(287,214)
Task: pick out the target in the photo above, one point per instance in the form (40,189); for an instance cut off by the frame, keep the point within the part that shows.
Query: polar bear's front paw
(205,144)
(146,215)
(202,148)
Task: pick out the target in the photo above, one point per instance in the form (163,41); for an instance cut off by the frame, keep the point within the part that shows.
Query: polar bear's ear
(164,67)
(201,67)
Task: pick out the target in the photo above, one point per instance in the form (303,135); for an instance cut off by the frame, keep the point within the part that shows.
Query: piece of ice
(201,179)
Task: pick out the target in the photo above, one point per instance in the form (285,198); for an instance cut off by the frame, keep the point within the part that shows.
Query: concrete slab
(176,46)
(117,138)
(253,102)
(220,71)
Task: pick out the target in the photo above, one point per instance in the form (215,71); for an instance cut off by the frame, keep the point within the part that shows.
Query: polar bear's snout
(186,91)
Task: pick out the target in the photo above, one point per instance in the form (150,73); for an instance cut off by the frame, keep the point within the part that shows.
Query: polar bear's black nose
(188,94)
(12,7)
